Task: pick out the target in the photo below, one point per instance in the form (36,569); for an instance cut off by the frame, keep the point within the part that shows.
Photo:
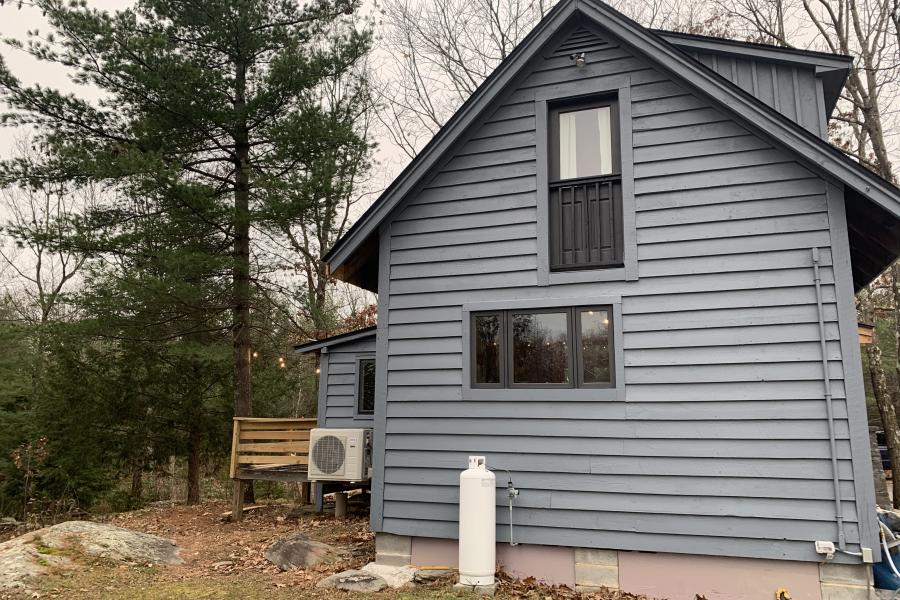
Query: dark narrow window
(585,186)
(488,344)
(544,348)
(365,394)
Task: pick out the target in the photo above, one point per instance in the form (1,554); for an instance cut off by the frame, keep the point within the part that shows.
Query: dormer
(800,84)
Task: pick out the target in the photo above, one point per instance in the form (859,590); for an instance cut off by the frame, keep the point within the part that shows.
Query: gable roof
(744,107)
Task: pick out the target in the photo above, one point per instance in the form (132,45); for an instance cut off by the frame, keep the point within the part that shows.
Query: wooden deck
(269,450)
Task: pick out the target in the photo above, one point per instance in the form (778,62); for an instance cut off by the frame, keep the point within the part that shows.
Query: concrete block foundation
(672,576)
(393,550)
(845,582)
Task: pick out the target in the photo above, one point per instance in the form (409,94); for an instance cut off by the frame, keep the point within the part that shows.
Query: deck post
(340,505)
(319,497)
(237,501)
(304,493)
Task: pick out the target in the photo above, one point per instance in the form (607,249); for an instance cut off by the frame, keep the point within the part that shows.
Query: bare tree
(438,53)
(862,28)
(774,22)
(40,269)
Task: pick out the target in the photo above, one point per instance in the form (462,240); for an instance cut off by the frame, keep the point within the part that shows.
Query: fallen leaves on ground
(532,588)
(211,545)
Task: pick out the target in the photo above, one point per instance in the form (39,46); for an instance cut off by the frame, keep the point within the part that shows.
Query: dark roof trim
(752,112)
(336,340)
(750,49)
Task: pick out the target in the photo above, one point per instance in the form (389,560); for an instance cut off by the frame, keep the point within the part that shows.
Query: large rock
(300,552)
(354,581)
(34,553)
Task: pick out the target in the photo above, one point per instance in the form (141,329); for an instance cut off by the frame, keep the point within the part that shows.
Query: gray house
(624,271)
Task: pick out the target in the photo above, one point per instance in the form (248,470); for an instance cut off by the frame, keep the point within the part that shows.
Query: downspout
(826,375)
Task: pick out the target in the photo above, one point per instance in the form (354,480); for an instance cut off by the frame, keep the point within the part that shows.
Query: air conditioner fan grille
(328,454)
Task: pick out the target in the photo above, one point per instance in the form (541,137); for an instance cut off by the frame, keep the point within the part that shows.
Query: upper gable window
(585,185)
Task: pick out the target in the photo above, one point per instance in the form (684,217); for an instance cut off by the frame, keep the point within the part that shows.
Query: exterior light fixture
(578,58)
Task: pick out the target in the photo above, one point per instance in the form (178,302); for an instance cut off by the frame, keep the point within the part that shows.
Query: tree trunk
(888,414)
(243,397)
(243,403)
(882,498)
(195,437)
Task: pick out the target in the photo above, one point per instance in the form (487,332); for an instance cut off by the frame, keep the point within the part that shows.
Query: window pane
(585,143)
(367,386)
(595,346)
(487,349)
(540,348)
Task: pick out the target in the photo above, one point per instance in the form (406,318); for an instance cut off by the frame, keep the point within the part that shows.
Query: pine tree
(226,94)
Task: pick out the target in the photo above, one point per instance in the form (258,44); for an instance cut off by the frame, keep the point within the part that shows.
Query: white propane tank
(477,524)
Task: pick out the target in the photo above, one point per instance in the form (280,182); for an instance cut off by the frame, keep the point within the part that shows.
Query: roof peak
(664,53)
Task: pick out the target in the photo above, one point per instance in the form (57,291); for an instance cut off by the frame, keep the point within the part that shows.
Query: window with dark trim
(585,195)
(542,348)
(365,382)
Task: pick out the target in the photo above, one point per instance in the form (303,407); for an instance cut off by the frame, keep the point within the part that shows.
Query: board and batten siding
(790,89)
(720,445)
(338,384)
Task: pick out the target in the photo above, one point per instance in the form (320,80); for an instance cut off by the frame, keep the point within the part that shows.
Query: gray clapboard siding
(617,447)
(632,428)
(743,142)
(645,523)
(664,485)
(723,374)
(776,188)
(337,384)
(728,211)
(657,411)
(785,353)
(813,509)
(584,535)
(736,245)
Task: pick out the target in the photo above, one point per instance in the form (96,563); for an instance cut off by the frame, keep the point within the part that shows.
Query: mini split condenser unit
(340,454)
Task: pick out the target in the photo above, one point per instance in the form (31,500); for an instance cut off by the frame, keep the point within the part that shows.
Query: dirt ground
(224,561)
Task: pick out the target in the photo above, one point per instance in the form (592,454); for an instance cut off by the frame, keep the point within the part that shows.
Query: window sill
(546,394)
(363,417)
(586,275)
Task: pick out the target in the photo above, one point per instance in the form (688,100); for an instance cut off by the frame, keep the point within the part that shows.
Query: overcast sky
(16,23)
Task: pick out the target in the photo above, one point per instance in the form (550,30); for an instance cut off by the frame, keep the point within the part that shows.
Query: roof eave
(335,340)
(767,52)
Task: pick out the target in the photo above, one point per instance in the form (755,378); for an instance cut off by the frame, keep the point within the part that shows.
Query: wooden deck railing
(268,449)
